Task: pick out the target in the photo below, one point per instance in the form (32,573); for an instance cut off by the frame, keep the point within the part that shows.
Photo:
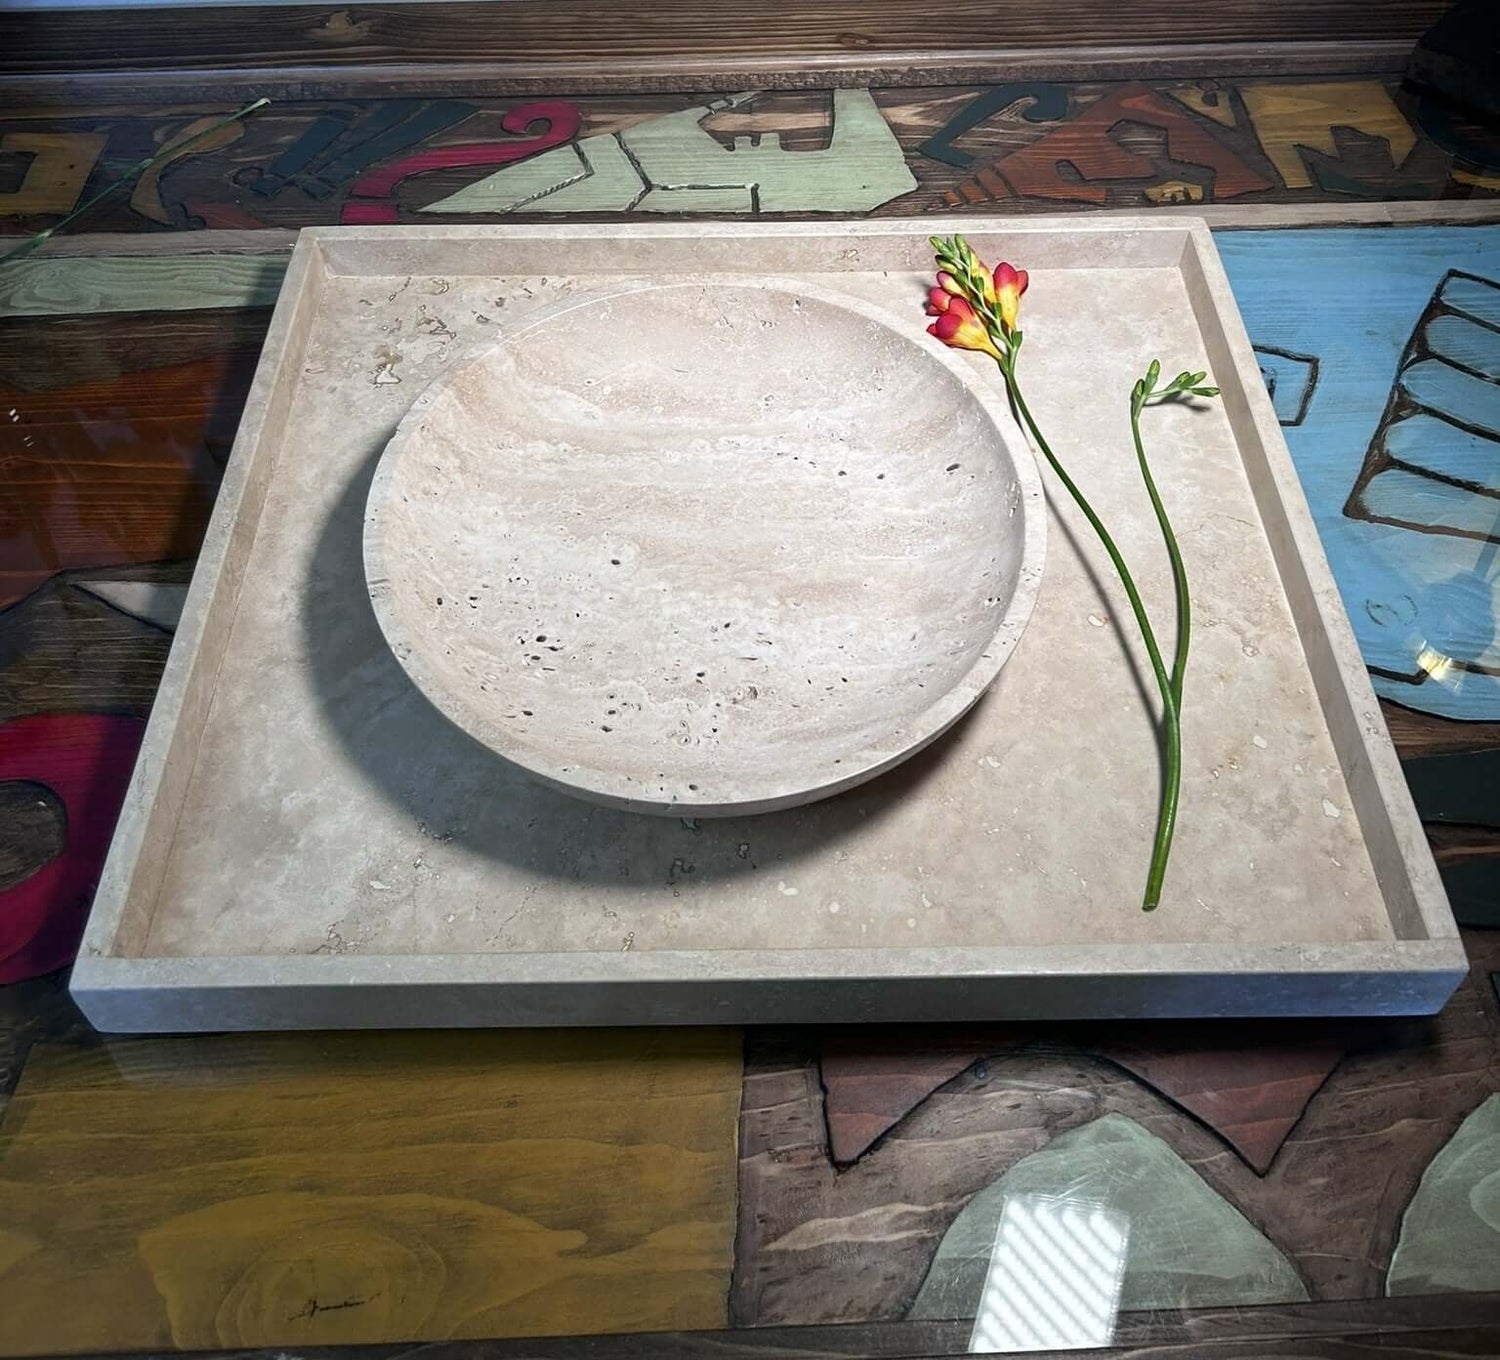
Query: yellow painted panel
(1289,116)
(304,1190)
(60,166)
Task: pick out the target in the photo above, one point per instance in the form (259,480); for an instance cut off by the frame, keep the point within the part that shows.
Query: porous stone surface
(329,808)
(706,548)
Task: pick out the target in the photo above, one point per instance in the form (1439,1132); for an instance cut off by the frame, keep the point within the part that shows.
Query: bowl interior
(710,547)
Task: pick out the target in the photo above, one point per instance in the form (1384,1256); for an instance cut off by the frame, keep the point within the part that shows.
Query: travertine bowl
(710,548)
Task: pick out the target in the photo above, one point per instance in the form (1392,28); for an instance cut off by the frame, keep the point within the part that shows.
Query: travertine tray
(308,843)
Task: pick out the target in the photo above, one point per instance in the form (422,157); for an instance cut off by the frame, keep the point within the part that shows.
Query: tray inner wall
(332,811)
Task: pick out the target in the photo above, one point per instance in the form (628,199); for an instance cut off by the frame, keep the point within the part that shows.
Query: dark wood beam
(531,46)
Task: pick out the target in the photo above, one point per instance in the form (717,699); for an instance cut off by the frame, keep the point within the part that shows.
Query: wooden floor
(442,1186)
(525,46)
(1388,1329)
(784,1192)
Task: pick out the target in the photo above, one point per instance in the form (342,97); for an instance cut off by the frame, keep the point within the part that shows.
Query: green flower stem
(1179,572)
(1170,688)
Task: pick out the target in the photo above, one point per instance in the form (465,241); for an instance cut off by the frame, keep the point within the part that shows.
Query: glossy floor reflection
(296,1190)
(404,1164)
(1054,1277)
(1179,1245)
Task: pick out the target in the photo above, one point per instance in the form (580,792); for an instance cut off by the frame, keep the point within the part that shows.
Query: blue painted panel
(1466,342)
(1290,379)
(1425,501)
(1435,446)
(1453,393)
(1365,302)
(1476,297)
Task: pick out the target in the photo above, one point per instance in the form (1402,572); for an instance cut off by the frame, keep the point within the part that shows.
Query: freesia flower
(1009,283)
(958,325)
(985,280)
(978,309)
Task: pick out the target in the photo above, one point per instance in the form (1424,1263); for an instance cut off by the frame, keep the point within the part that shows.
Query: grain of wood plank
(32,1013)
(1455,1320)
(292,1190)
(64,651)
(854,69)
(43,286)
(113,472)
(41,354)
(820,1245)
(1470,1321)
(590,38)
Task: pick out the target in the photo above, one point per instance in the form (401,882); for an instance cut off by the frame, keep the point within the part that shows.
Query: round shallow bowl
(718,547)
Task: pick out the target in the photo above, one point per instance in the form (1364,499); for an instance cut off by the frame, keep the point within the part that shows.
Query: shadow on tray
(459,791)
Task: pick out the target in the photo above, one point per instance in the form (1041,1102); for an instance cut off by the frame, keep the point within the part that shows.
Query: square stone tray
(307,843)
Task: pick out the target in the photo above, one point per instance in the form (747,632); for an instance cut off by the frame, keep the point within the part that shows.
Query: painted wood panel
(118,283)
(297,1190)
(1026,145)
(1410,521)
(401,1169)
(820,1244)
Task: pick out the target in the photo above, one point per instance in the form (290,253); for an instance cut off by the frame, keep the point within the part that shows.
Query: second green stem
(1170,686)
(1174,554)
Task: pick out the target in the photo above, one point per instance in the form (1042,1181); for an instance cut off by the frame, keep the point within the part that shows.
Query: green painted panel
(1183,1245)
(671,164)
(1450,1235)
(68,284)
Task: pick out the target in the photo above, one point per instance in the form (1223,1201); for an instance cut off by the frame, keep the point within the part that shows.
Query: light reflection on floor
(1054,1277)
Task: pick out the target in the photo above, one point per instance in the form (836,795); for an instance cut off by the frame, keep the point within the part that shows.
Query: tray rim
(1413,974)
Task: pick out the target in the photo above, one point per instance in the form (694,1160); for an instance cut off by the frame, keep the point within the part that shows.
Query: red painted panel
(85,759)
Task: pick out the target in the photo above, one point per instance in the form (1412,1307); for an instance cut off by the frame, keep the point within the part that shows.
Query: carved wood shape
(55,178)
(1083,159)
(1251,1097)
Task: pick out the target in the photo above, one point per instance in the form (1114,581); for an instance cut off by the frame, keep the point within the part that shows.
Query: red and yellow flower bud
(958,325)
(1009,284)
